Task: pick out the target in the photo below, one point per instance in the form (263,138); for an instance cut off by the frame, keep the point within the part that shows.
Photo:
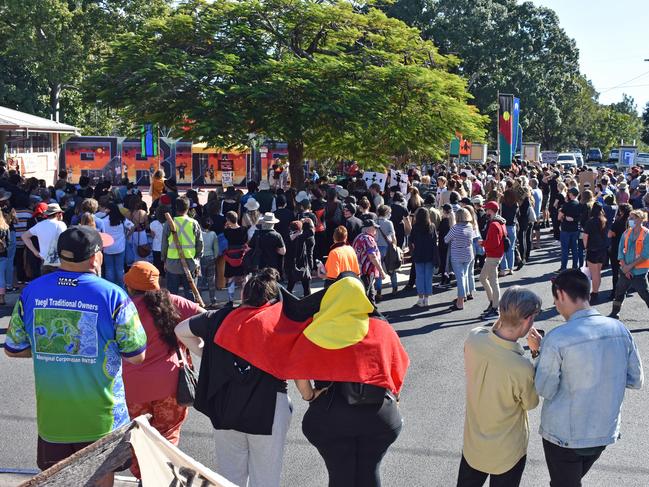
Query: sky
(612,41)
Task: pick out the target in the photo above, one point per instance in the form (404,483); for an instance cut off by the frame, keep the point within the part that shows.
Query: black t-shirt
(509,213)
(618,228)
(285,217)
(268,241)
(596,236)
(236,237)
(231,392)
(353,226)
(571,209)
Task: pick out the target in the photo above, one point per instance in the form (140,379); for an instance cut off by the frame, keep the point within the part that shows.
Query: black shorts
(596,256)
(49,454)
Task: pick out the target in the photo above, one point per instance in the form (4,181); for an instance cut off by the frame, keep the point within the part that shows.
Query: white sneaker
(425,303)
(419,303)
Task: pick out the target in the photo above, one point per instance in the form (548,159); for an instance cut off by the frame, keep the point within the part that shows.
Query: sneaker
(419,303)
(425,303)
(493,313)
(487,309)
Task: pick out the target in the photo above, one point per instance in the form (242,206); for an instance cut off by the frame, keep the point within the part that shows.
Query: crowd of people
(452,222)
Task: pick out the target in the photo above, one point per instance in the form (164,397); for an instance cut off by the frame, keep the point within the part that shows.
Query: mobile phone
(541,332)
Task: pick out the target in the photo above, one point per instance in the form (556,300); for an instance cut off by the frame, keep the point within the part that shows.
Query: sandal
(454,307)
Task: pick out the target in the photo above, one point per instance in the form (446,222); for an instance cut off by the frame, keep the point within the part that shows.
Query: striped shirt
(364,245)
(22,217)
(460,239)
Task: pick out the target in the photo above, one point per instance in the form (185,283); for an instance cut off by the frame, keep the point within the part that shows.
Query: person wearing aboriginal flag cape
(336,338)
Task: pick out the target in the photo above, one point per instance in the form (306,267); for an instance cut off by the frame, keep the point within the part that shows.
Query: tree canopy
(327,77)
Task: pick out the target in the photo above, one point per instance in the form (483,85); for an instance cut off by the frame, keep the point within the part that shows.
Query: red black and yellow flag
(332,335)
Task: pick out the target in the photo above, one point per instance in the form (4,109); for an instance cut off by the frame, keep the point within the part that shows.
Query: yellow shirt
(157,187)
(499,392)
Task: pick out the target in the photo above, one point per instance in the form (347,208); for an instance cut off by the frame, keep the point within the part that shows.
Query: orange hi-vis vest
(638,246)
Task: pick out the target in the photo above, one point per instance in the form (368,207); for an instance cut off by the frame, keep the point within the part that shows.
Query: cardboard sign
(371,178)
(226,178)
(399,178)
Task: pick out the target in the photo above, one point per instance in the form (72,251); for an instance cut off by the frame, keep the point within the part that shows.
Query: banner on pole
(371,178)
(226,178)
(161,463)
(515,125)
(505,132)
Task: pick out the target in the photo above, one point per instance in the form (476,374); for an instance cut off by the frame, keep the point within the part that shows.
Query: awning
(15,120)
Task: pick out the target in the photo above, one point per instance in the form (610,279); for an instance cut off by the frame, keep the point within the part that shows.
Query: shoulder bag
(393,256)
(143,250)
(187,380)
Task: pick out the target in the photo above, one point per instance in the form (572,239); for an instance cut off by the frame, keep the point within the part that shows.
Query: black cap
(466,201)
(81,242)
(350,208)
(573,191)
(370,223)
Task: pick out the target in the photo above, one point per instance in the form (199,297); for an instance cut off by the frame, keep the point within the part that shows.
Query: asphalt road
(427,452)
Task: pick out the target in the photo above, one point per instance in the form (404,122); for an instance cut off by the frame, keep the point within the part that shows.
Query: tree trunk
(55,101)
(295,158)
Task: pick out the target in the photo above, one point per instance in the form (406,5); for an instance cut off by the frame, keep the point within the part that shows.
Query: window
(87,156)
(41,142)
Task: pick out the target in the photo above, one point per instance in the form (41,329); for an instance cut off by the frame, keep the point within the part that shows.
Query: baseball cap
(350,208)
(573,191)
(370,223)
(39,209)
(491,205)
(81,242)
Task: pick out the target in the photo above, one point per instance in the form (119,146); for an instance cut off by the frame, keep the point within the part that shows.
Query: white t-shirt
(156,230)
(47,232)
(118,234)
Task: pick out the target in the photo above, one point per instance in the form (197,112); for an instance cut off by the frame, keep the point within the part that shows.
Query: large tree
(645,124)
(47,46)
(506,47)
(327,77)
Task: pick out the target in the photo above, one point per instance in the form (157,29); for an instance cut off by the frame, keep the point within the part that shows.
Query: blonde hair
(3,221)
(463,216)
(474,220)
(640,214)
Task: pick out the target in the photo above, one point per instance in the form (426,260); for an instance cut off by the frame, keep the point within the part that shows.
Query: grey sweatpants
(255,460)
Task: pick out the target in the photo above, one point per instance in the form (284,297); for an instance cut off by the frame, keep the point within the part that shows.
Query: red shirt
(494,244)
(157,377)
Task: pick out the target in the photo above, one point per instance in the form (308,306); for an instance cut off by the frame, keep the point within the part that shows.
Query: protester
(353,224)
(460,242)
(190,240)
(151,386)
(268,243)
(595,243)
(425,255)
(47,232)
(385,237)
(298,268)
(249,408)
(236,238)
(77,401)
(157,185)
(341,258)
(369,259)
(499,392)
(494,246)
(633,257)
(156,227)
(208,260)
(581,416)
(569,215)
(617,229)
(509,211)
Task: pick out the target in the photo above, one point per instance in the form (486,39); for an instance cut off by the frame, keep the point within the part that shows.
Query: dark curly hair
(261,288)
(164,313)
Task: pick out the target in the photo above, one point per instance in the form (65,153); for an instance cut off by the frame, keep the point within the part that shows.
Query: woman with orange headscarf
(151,386)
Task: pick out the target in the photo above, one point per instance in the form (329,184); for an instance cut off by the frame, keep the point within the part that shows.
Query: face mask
(631,223)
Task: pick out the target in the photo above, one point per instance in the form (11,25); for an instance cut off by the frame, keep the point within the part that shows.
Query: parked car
(642,158)
(567,160)
(579,158)
(614,155)
(594,154)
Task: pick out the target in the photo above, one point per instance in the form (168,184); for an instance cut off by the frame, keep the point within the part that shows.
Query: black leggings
(351,439)
(306,285)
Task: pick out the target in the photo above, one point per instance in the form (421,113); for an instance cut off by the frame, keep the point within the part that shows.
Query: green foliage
(645,124)
(331,79)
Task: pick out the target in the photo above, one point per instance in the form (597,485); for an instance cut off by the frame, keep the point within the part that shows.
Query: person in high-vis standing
(633,255)
(191,245)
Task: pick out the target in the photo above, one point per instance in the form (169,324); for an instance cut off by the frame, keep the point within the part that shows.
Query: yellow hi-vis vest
(186,238)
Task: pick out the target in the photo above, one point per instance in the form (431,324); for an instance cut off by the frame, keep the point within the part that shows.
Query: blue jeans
(569,245)
(114,265)
(508,259)
(424,278)
(174,281)
(11,255)
(393,276)
(461,270)
(471,276)
(3,270)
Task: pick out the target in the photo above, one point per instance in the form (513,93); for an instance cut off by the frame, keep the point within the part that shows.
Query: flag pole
(498,127)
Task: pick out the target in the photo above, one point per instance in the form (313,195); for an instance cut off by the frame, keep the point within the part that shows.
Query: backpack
(252,258)
(393,257)
(506,242)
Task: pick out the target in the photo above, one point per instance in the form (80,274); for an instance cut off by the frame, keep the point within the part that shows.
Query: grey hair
(534,183)
(517,304)
(267,226)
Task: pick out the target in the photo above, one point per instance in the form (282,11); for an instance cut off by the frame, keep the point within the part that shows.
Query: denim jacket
(582,372)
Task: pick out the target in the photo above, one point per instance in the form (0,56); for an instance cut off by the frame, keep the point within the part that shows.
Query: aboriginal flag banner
(505,129)
(331,335)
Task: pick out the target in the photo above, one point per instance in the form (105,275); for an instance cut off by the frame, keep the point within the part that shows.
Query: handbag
(187,380)
(143,250)
(394,255)
(531,214)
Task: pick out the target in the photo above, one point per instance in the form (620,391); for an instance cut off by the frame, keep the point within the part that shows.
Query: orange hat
(143,276)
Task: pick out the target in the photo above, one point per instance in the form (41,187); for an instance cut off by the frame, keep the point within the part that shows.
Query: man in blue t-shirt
(77,327)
